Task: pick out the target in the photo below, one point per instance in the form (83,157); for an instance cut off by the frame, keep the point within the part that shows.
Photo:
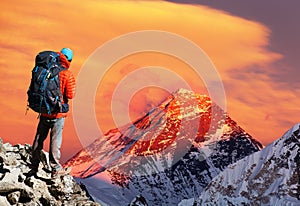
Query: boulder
(12,176)
(4,201)
(13,198)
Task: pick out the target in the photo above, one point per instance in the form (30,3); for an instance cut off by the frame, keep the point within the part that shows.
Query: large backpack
(44,95)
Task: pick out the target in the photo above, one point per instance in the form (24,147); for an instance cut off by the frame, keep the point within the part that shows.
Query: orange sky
(235,45)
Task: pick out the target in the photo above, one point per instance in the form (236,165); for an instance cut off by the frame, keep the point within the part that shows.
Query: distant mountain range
(268,177)
(170,154)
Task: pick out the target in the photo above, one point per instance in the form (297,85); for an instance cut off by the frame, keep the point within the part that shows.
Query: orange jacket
(67,85)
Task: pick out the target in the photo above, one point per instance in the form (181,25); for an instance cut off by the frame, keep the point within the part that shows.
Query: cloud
(232,43)
(262,107)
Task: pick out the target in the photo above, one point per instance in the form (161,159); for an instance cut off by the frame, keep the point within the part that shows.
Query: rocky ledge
(18,188)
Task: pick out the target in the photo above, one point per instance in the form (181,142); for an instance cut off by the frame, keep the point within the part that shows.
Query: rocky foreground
(18,188)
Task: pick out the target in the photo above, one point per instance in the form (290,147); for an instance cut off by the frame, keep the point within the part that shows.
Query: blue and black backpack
(44,95)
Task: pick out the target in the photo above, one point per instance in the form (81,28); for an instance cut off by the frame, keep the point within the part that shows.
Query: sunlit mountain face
(170,154)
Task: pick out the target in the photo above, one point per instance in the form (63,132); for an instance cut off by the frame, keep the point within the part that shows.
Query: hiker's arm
(70,87)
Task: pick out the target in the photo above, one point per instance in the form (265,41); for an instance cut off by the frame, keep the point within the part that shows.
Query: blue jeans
(56,126)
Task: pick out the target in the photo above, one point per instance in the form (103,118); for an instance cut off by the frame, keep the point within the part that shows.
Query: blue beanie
(68,53)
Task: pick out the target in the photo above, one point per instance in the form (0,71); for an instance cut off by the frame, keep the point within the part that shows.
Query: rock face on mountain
(268,177)
(138,201)
(18,188)
(171,153)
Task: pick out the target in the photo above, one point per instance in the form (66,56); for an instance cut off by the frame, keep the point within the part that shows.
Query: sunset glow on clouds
(237,47)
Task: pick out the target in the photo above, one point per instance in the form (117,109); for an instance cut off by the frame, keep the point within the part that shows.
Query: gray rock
(48,201)
(19,187)
(32,203)
(2,157)
(3,171)
(41,174)
(3,201)
(7,187)
(6,168)
(18,146)
(28,148)
(13,198)
(77,190)
(68,184)
(29,181)
(25,155)
(21,178)
(41,189)
(1,176)
(139,201)
(55,191)
(11,159)
(2,149)
(12,176)
(9,148)
(24,169)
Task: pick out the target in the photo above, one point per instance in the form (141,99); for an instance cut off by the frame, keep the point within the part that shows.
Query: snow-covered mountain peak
(170,153)
(291,136)
(187,94)
(268,177)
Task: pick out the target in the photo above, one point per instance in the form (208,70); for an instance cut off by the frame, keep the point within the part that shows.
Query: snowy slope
(268,177)
(171,153)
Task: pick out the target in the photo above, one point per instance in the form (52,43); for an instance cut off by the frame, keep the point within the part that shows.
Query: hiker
(55,122)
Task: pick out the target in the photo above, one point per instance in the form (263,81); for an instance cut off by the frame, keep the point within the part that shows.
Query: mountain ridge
(167,155)
(268,177)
